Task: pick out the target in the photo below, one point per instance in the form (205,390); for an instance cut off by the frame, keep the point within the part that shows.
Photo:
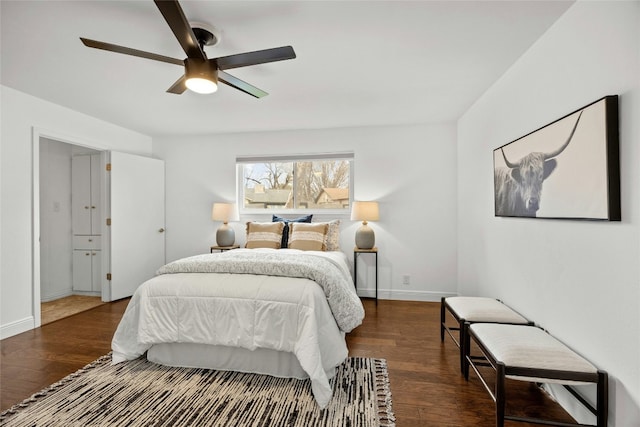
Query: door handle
(161,230)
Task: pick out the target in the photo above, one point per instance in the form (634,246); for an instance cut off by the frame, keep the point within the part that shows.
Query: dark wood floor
(34,359)
(426,384)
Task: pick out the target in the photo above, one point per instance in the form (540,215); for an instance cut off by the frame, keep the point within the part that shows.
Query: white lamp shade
(365,211)
(224,212)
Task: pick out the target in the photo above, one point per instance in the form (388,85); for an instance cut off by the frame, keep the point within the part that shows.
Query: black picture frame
(568,169)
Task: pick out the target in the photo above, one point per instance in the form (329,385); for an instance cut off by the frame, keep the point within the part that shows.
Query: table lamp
(365,211)
(225,212)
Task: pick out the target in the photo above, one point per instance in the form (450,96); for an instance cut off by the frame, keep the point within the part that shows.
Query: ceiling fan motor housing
(198,68)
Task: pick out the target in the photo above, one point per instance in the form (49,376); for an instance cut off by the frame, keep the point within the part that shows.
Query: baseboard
(405,295)
(53,297)
(570,404)
(17,327)
(87,293)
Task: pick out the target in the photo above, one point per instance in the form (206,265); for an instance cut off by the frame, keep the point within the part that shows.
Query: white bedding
(250,311)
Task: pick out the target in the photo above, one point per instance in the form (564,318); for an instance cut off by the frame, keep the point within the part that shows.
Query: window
(295,183)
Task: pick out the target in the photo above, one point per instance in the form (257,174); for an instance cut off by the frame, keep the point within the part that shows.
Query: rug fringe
(383,394)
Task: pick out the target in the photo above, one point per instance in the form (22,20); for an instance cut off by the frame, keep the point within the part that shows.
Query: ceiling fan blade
(173,14)
(128,51)
(178,87)
(256,57)
(240,85)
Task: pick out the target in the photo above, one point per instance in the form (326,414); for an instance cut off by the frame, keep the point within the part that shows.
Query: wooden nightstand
(357,251)
(223,248)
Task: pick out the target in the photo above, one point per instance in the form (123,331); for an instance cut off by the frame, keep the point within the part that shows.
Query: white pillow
(332,239)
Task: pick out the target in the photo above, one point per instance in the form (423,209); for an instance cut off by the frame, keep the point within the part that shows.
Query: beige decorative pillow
(332,240)
(307,237)
(264,235)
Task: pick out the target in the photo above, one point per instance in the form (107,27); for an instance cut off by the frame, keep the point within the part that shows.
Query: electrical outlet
(406,279)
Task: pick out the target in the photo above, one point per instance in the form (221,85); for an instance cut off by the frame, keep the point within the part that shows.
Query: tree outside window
(296,184)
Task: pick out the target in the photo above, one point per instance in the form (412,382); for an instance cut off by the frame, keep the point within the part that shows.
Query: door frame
(36,134)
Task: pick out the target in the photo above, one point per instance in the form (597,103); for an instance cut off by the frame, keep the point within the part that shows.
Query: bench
(474,310)
(528,353)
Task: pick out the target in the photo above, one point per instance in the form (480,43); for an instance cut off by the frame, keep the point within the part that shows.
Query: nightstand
(223,248)
(357,251)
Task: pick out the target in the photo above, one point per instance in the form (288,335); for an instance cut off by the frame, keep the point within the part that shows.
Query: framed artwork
(568,169)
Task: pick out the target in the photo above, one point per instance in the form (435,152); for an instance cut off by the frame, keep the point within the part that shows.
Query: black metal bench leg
(500,395)
(465,350)
(602,399)
(442,318)
(463,342)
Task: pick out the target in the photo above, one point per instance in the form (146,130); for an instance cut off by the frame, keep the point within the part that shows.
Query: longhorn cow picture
(574,159)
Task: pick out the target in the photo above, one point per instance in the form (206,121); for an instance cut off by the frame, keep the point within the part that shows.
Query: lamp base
(365,237)
(225,236)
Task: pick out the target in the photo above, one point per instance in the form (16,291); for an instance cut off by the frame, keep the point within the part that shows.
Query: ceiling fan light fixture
(201,76)
(201,85)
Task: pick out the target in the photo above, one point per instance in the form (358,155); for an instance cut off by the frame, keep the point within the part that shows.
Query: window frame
(333,156)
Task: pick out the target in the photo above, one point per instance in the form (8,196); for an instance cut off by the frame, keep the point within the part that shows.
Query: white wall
(55,220)
(21,113)
(410,170)
(580,280)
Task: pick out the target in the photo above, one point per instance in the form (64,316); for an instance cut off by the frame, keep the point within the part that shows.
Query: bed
(280,312)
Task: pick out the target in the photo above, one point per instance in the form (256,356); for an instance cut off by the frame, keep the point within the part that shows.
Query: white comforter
(248,310)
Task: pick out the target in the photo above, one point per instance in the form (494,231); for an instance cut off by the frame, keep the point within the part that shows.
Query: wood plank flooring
(426,384)
(34,359)
(67,306)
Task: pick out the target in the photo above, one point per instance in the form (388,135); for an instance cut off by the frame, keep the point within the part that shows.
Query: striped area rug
(141,393)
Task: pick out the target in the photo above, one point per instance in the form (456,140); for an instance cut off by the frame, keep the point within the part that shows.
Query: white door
(96,271)
(96,186)
(81,195)
(137,222)
(82,273)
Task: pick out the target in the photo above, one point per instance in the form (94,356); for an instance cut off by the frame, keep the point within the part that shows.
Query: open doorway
(130,184)
(70,249)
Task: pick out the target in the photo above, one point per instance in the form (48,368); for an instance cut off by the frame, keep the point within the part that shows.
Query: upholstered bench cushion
(483,309)
(529,347)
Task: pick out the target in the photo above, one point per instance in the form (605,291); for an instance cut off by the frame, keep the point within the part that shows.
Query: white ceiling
(359,63)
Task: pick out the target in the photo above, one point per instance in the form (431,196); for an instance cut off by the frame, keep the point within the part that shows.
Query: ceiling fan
(201,74)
